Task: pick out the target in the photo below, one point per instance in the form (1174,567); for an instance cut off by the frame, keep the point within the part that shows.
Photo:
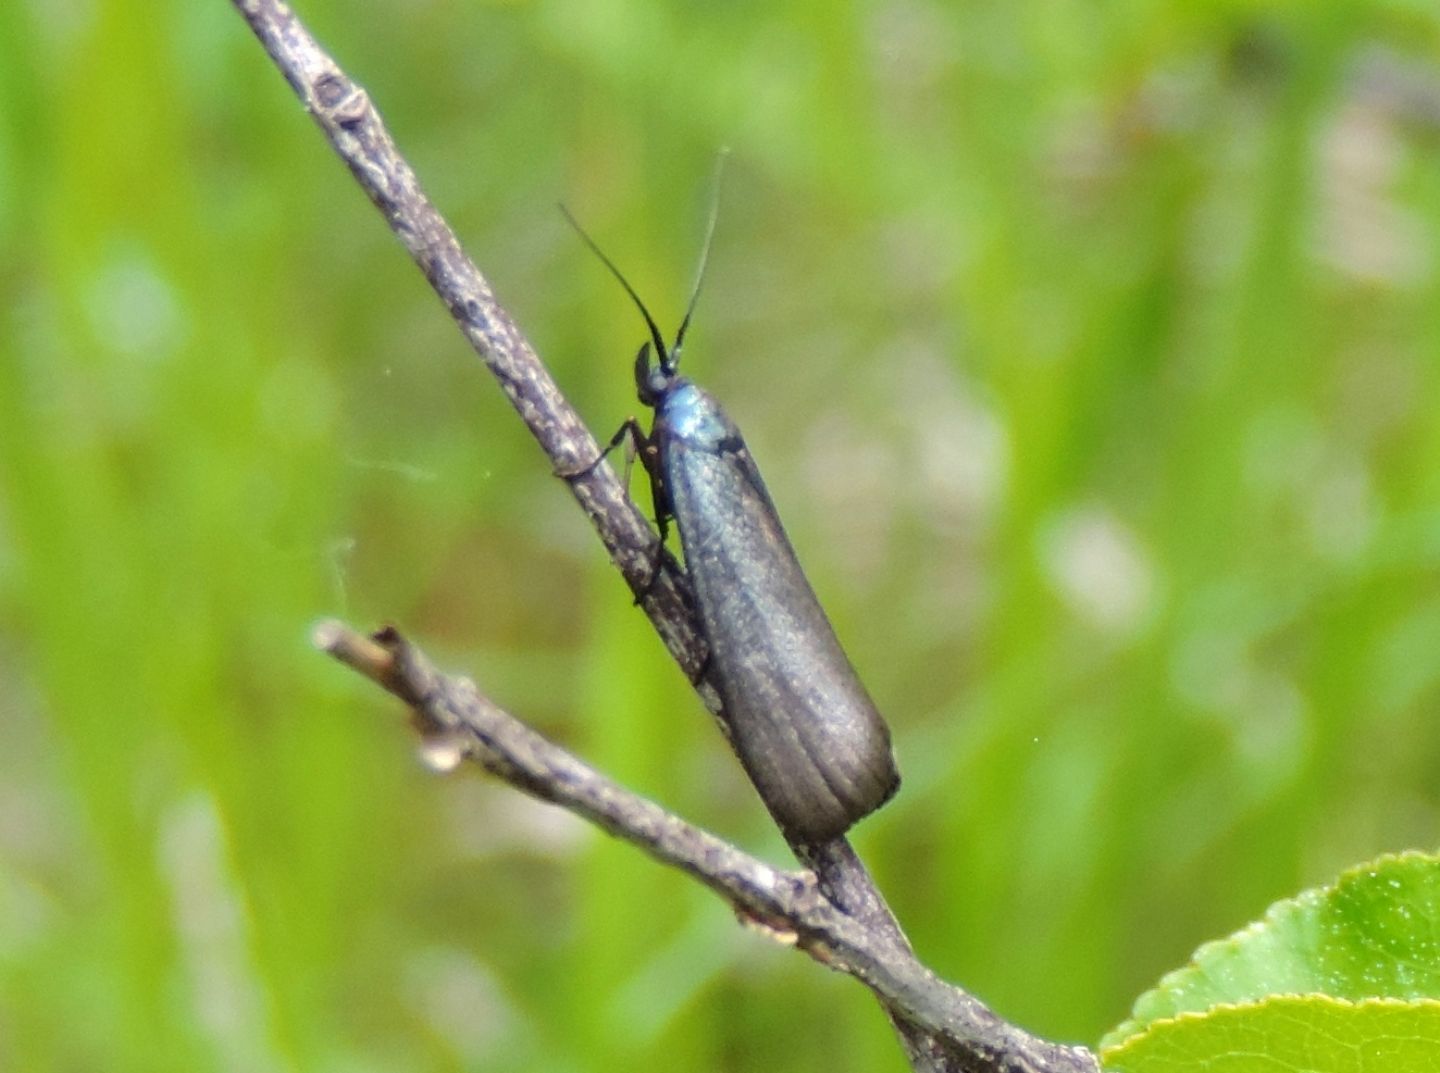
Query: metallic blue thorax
(686,412)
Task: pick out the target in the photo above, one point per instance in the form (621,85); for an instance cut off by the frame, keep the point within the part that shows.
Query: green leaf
(1372,934)
(1290,1034)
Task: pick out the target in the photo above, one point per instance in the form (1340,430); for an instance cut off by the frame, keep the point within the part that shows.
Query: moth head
(652,381)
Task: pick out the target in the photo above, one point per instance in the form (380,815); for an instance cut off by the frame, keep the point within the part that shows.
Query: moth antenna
(704,252)
(661,350)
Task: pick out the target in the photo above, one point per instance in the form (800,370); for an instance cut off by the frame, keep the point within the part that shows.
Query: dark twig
(848,923)
(349,120)
(457,721)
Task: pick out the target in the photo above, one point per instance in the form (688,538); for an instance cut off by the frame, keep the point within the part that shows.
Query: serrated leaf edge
(1316,998)
(1275,915)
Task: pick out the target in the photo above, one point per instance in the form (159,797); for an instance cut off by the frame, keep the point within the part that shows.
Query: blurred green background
(1090,351)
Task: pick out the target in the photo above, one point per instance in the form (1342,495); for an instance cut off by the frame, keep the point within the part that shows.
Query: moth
(802,724)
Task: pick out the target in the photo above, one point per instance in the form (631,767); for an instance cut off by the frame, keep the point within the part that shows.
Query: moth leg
(640,446)
(638,443)
(649,456)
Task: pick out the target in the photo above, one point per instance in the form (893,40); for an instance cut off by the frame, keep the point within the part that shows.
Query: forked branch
(457,722)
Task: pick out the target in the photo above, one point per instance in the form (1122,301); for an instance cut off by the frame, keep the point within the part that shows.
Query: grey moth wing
(801,722)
